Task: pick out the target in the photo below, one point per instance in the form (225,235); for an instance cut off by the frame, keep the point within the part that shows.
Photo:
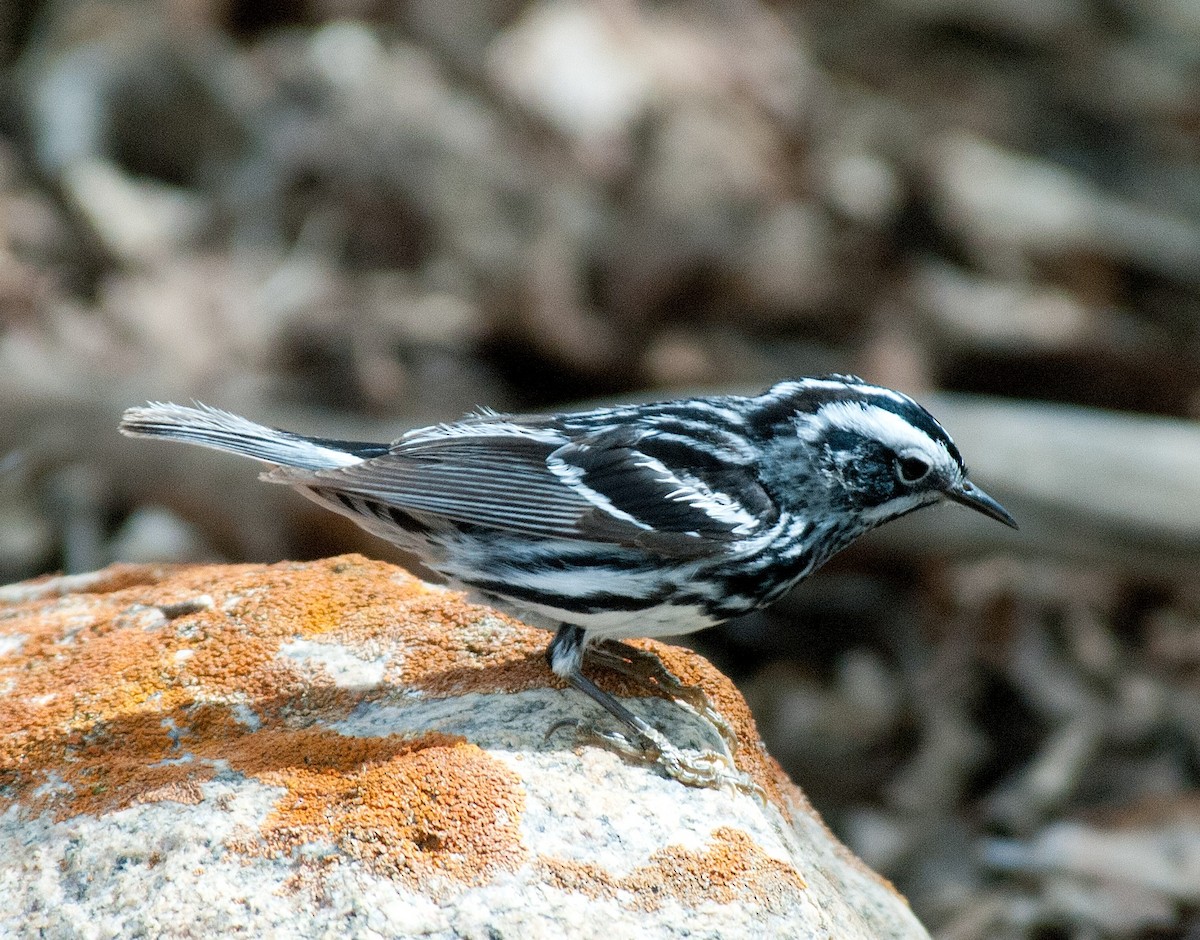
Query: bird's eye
(911,469)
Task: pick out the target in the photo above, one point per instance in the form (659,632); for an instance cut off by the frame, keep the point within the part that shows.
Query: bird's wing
(621,486)
(684,496)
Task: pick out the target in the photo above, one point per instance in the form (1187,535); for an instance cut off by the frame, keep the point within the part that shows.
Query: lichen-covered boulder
(337,749)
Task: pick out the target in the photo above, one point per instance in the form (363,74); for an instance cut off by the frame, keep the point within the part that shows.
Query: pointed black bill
(968,494)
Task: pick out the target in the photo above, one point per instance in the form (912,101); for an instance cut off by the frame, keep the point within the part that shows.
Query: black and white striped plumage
(631,521)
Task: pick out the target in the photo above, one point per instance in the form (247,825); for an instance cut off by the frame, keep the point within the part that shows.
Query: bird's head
(874,452)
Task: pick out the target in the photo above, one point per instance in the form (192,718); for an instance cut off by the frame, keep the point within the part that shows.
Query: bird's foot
(648,671)
(702,769)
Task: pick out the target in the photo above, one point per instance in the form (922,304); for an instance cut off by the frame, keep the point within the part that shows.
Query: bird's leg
(706,769)
(649,671)
(565,655)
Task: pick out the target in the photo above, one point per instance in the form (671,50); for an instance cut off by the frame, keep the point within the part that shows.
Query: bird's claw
(558,726)
(650,671)
(702,769)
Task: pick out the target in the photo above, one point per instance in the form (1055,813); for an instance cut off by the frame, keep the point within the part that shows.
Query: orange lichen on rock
(153,680)
(731,869)
(408,807)
(141,683)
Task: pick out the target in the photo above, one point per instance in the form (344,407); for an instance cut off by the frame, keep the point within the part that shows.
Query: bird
(634,520)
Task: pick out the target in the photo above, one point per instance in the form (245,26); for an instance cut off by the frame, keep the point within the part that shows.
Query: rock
(152,532)
(1128,865)
(789,262)
(303,749)
(597,73)
(1008,208)
(581,68)
(138,221)
(1006,316)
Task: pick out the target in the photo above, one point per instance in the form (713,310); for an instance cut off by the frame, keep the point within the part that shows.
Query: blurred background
(350,217)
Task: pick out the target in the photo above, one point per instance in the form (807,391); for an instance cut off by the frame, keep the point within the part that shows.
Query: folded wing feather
(603,487)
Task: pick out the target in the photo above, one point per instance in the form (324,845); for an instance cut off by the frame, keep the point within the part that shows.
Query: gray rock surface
(336,749)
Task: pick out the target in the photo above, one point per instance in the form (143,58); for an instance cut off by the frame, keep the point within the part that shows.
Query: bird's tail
(223,430)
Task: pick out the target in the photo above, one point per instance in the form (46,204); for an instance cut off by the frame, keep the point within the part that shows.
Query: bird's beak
(968,494)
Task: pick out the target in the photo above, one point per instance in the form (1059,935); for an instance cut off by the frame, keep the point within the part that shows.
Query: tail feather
(225,431)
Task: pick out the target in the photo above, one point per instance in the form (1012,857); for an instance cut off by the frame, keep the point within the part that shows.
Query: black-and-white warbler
(634,521)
